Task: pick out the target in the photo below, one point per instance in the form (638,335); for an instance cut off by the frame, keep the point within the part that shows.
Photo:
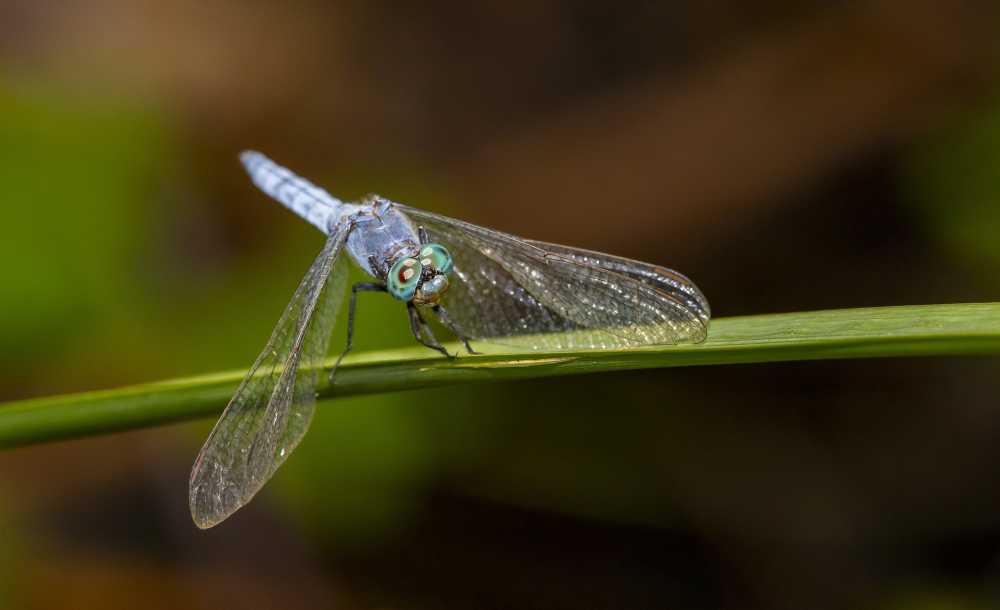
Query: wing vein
(272,408)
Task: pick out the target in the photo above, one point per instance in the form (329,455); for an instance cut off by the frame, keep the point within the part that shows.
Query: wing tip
(203,519)
(204,524)
(208,511)
(211,500)
(702,335)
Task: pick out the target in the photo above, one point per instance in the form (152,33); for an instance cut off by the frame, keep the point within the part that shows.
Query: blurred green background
(785,155)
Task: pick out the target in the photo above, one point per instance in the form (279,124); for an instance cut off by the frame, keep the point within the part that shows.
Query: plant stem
(922,330)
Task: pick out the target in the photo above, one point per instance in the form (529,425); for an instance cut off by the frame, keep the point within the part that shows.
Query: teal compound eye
(436,257)
(404,278)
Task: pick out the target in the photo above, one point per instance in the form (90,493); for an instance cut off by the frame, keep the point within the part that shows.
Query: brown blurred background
(785,155)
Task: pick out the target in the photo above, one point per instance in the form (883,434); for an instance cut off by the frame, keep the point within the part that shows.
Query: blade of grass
(921,330)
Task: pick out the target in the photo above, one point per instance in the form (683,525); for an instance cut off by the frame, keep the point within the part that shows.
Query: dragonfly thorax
(379,236)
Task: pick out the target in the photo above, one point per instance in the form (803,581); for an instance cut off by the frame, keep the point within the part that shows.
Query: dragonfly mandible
(481,284)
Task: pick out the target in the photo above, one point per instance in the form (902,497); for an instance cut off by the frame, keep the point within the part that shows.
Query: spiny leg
(422,234)
(355,289)
(453,327)
(417,324)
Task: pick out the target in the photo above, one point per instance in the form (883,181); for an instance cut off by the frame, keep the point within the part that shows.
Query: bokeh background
(786,155)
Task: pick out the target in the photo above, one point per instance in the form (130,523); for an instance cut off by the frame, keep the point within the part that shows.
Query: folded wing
(659,277)
(510,290)
(271,410)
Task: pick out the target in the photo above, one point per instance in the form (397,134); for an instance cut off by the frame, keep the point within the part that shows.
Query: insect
(481,284)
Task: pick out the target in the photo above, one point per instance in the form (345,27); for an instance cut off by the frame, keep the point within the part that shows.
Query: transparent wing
(271,410)
(661,278)
(543,296)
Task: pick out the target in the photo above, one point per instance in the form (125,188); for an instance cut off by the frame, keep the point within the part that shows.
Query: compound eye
(436,257)
(404,277)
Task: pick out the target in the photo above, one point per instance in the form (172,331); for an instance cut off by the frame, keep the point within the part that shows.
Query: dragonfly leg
(418,325)
(422,234)
(447,321)
(355,289)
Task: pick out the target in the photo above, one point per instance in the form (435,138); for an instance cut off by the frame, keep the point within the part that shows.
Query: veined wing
(557,297)
(661,278)
(271,410)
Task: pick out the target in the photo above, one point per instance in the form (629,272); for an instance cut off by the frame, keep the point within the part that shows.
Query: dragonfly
(482,285)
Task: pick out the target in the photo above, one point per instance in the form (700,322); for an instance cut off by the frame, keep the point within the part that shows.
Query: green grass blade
(923,330)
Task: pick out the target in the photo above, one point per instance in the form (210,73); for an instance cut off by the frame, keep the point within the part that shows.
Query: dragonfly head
(423,278)
(431,290)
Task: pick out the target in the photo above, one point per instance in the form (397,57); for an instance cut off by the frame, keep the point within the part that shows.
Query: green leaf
(922,330)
